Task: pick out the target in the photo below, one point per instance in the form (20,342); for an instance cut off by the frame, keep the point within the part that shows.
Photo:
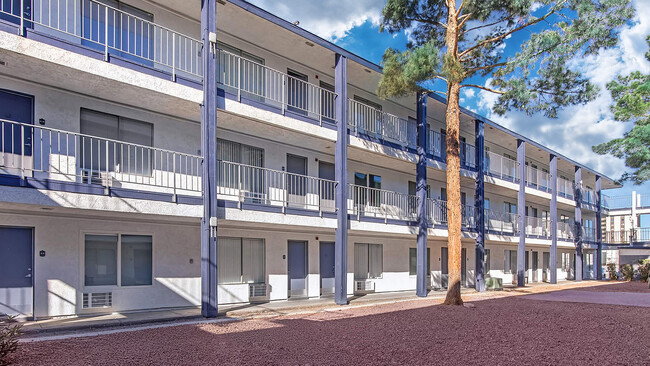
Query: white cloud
(580,127)
(330,19)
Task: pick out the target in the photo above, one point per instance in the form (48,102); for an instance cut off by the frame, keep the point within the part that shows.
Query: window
(368,261)
(370,197)
(443,194)
(136,266)
(96,154)
(241,260)
(101,253)
(487,262)
(487,204)
(510,261)
(567,262)
(511,210)
(251,178)
(413,264)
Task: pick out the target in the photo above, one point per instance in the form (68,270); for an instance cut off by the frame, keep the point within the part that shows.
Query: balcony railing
(565,231)
(467,155)
(47,153)
(256,185)
(564,188)
(501,167)
(617,202)
(538,226)
(501,222)
(436,145)
(379,203)
(257,82)
(588,196)
(371,121)
(437,213)
(588,234)
(538,179)
(641,235)
(110,31)
(644,201)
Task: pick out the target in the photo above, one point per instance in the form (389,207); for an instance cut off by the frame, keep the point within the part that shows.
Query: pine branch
(487,25)
(486,67)
(483,88)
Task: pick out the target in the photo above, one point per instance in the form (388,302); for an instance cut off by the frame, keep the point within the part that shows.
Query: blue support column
(577,193)
(341,174)
(599,231)
(553,213)
(479,202)
(421,257)
(209,164)
(521,211)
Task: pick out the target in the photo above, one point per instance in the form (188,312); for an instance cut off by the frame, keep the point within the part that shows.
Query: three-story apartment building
(312,179)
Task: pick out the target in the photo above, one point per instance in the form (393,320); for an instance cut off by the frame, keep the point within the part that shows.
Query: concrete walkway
(601,297)
(270,309)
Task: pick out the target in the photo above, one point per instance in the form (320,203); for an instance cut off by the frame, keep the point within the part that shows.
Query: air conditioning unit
(97,300)
(95,177)
(364,286)
(257,291)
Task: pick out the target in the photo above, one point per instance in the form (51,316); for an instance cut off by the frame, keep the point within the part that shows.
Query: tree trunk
(452,117)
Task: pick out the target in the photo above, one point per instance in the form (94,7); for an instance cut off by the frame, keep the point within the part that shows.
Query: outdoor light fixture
(41,121)
(309,44)
(296,22)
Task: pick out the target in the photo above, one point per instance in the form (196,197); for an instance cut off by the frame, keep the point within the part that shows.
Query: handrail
(366,119)
(381,203)
(266,85)
(75,157)
(538,178)
(501,167)
(502,222)
(111,30)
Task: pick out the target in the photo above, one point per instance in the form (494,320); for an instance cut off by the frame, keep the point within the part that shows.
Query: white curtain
(254,258)
(229,260)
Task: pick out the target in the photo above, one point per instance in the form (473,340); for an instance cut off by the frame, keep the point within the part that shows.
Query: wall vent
(97,300)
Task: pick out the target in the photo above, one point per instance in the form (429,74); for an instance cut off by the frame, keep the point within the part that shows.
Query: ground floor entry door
(444,267)
(463,267)
(16,263)
(297,268)
(326,268)
(535,266)
(546,259)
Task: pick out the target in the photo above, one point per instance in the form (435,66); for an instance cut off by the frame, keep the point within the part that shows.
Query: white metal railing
(564,230)
(588,234)
(617,237)
(369,120)
(617,202)
(252,184)
(436,144)
(365,201)
(261,83)
(111,31)
(538,226)
(564,188)
(48,153)
(501,222)
(467,155)
(538,179)
(501,167)
(437,213)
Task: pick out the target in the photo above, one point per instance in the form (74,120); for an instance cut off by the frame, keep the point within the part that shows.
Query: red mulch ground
(502,331)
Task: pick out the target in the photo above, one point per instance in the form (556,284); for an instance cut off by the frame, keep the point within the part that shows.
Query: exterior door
(297,181)
(588,265)
(546,259)
(297,268)
(444,267)
(535,266)
(326,268)
(297,98)
(327,187)
(16,140)
(16,263)
(463,267)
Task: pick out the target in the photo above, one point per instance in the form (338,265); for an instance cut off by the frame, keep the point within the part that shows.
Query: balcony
(381,204)
(501,167)
(372,122)
(47,154)
(111,32)
(637,235)
(501,222)
(254,83)
(538,179)
(437,213)
(246,184)
(564,188)
(565,231)
(538,227)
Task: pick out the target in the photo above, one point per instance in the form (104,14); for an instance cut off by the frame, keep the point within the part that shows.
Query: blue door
(16,108)
(16,271)
(326,268)
(297,268)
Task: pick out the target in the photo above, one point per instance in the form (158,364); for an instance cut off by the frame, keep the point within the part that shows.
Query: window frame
(428,261)
(118,285)
(368,276)
(241,263)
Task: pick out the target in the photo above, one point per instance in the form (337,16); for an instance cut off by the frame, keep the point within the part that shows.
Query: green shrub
(627,270)
(611,269)
(9,333)
(644,269)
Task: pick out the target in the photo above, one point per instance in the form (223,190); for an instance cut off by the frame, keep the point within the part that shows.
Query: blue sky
(354,25)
